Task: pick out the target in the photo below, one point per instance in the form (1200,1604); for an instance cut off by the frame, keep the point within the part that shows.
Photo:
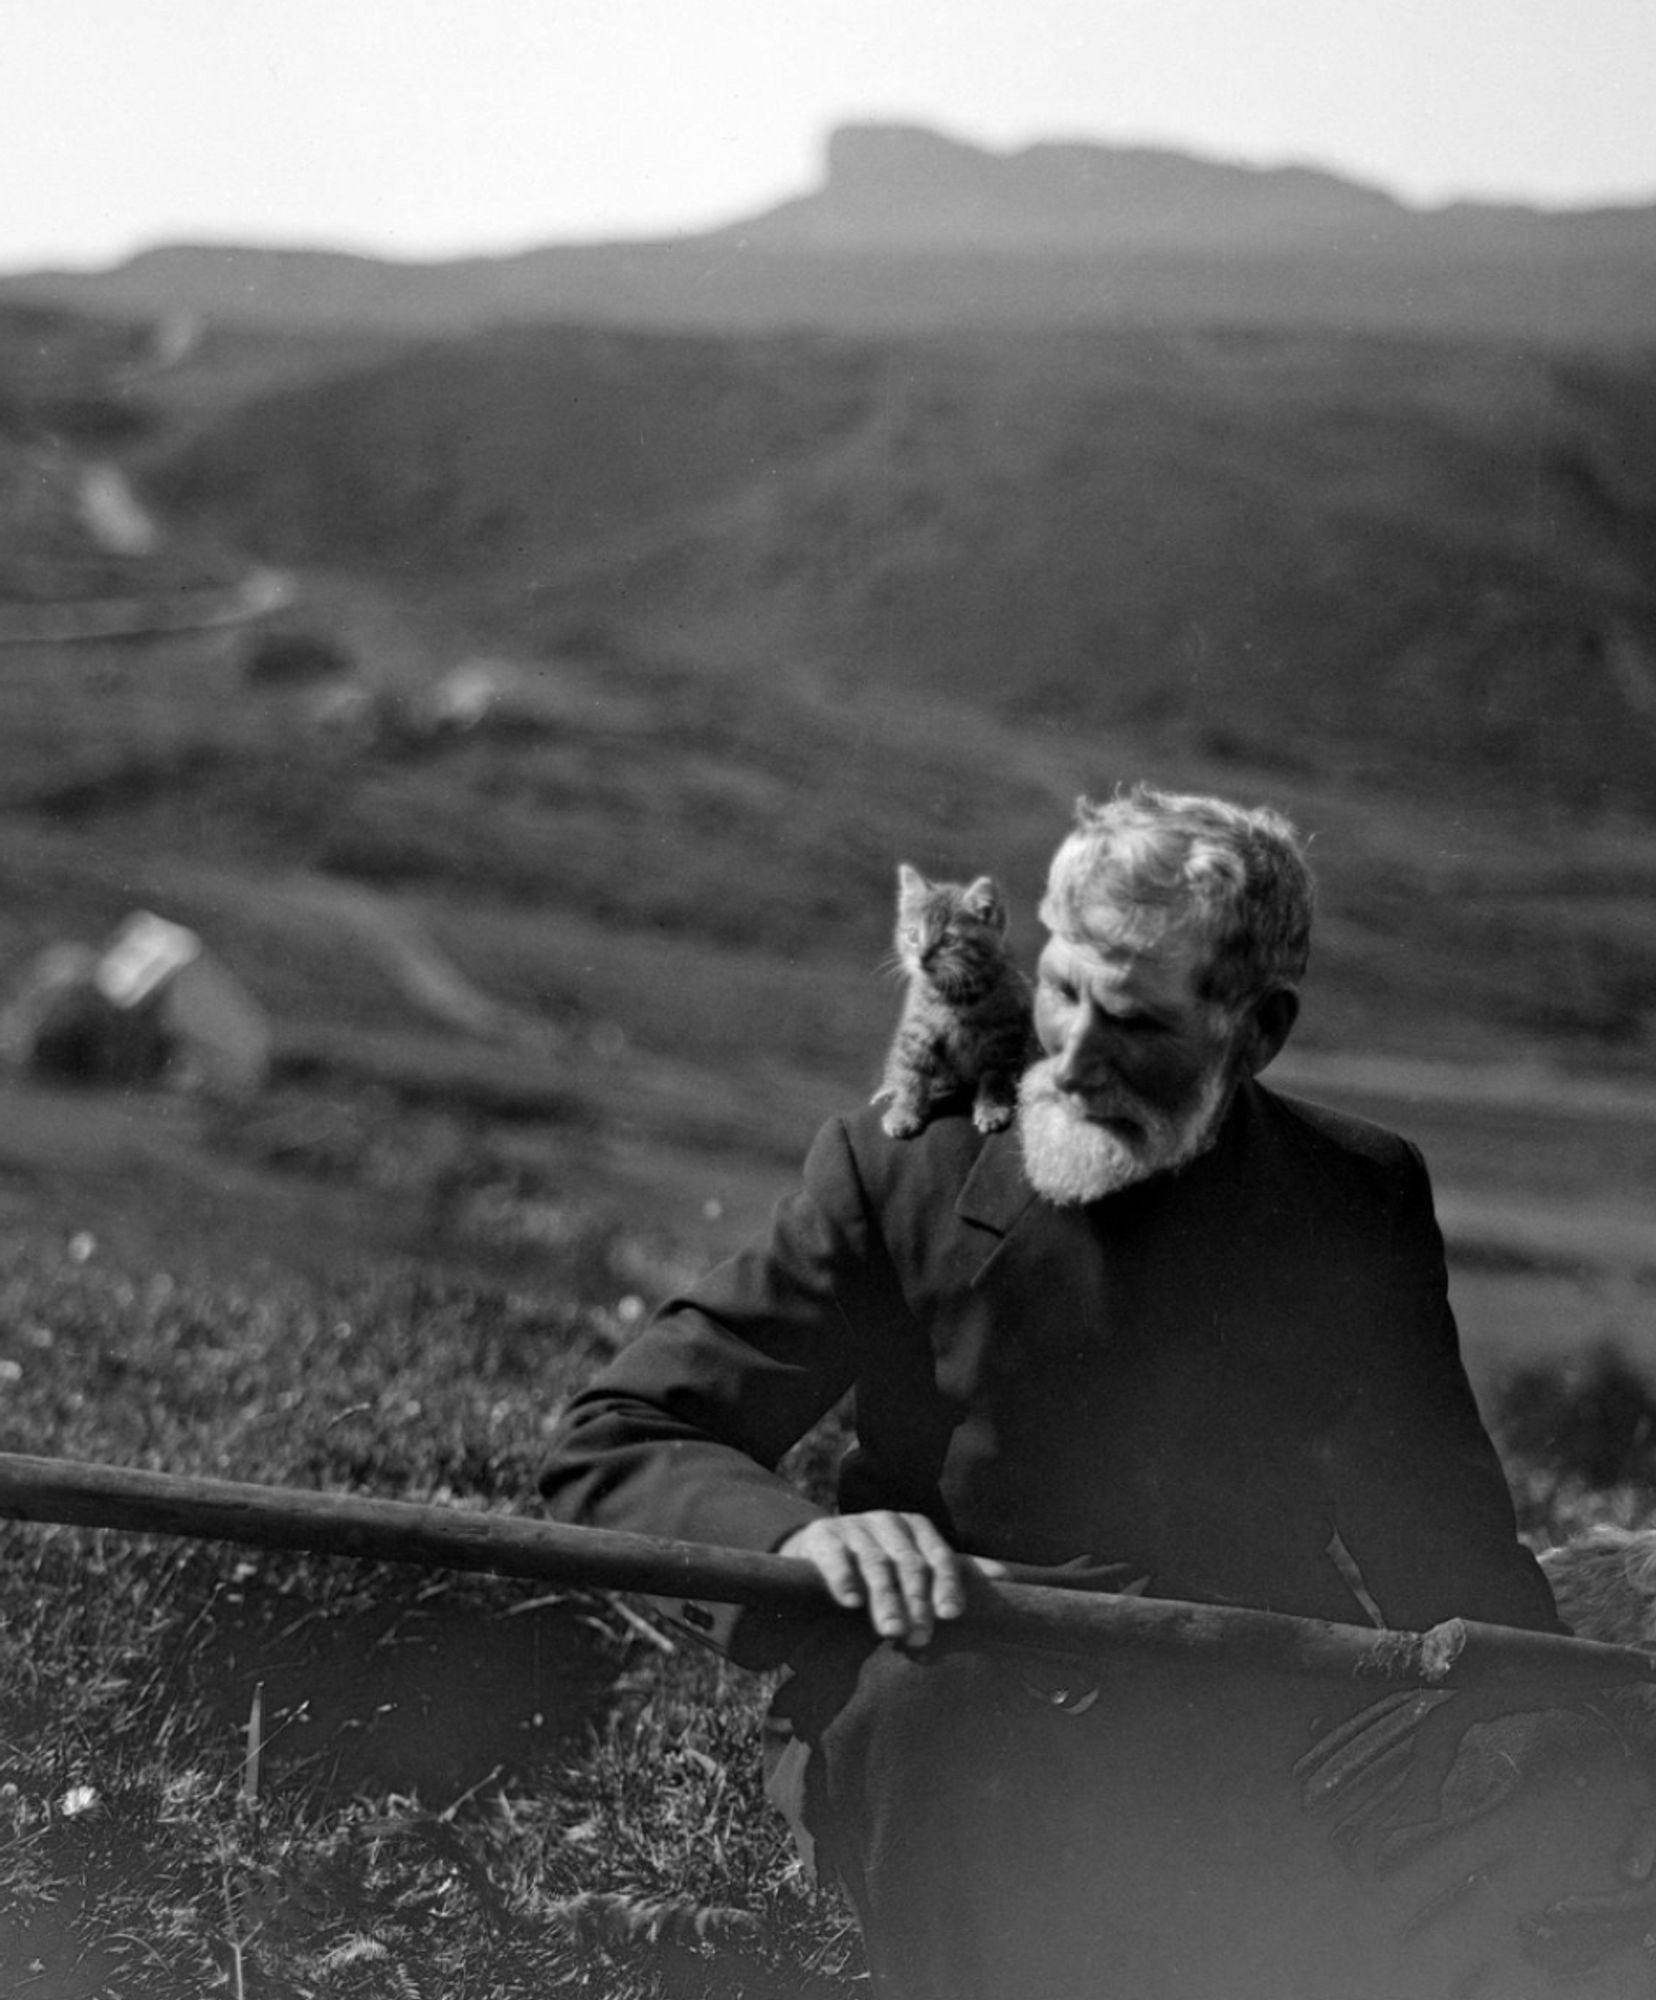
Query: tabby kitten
(965,1023)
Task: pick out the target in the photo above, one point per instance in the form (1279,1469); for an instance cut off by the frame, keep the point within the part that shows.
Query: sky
(428,128)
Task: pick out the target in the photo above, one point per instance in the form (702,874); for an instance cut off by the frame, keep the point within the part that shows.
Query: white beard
(1069,1159)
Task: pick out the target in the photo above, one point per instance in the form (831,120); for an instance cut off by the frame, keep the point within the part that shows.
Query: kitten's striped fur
(965,1024)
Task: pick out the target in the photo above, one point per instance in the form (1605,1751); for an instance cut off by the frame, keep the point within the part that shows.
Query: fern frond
(598,1917)
(359,1950)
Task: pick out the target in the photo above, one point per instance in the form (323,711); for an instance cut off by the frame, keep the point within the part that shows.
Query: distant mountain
(903,188)
(911,231)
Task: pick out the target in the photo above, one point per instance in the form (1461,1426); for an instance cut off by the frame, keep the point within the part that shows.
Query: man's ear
(1266,1026)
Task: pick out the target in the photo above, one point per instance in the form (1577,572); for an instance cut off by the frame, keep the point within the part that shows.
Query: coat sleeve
(681,1434)
(1420,1497)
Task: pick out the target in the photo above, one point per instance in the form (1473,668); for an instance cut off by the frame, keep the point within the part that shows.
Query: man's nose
(1084,1053)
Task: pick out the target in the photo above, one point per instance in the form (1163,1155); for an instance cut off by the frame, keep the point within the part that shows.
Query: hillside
(765,616)
(1419,565)
(79,551)
(909,230)
(562,976)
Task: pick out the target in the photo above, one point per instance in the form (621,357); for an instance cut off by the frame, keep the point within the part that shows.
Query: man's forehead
(1171,955)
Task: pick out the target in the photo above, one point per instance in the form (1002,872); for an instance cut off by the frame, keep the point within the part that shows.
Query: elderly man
(1170,1332)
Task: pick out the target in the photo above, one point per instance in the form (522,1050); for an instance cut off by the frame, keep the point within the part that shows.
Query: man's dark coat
(1242,1381)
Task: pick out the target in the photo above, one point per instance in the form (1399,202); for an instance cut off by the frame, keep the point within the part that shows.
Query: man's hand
(898,1565)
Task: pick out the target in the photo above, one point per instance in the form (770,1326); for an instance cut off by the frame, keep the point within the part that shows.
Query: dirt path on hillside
(388,933)
(256,595)
(423,974)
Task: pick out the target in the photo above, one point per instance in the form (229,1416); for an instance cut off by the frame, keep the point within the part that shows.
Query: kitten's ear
(910,882)
(983,900)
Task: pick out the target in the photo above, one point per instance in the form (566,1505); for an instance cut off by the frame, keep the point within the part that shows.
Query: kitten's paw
(993,1117)
(901,1123)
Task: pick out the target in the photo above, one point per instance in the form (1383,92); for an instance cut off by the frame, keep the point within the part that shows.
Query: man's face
(1137,1072)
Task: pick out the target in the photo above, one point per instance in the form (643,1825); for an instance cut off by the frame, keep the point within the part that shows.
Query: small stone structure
(153,1006)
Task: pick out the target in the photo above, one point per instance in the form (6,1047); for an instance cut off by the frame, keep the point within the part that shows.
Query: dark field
(559,994)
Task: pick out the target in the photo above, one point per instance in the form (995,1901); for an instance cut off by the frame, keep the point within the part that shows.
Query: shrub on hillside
(294,658)
(1579,1441)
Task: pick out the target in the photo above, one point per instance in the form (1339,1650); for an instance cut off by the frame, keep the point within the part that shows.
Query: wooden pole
(1455,1654)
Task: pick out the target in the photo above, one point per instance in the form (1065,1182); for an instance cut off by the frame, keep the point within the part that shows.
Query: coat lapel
(996,1194)
(1002,1213)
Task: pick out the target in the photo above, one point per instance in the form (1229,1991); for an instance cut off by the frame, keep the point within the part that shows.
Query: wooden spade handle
(1455,1654)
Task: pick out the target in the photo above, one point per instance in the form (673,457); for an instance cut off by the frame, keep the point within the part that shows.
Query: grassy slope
(432,1811)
